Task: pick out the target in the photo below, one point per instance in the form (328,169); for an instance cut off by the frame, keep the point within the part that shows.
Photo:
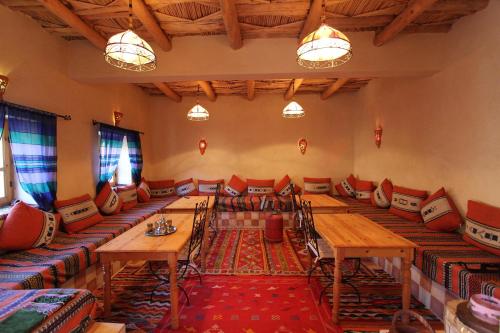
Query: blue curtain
(33,144)
(111,143)
(135,154)
(3,112)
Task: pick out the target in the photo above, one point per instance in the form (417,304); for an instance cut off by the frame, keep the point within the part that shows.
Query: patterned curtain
(33,144)
(135,154)
(3,112)
(111,143)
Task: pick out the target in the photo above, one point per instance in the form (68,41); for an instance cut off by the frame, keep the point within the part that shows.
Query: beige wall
(444,129)
(35,63)
(252,139)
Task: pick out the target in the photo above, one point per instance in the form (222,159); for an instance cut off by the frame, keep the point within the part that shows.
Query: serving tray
(153,233)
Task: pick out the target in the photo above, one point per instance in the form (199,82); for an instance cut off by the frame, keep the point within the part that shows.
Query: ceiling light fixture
(126,50)
(198,112)
(293,110)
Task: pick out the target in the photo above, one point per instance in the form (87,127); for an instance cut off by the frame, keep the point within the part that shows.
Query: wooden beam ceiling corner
(230,17)
(313,19)
(333,87)
(143,13)
(408,15)
(169,92)
(292,89)
(208,90)
(250,89)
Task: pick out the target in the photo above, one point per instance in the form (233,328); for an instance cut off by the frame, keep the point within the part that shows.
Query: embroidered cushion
(364,189)
(482,226)
(440,213)
(162,188)
(78,213)
(283,187)
(209,187)
(317,185)
(235,187)
(128,194)
(143,192)
(406,203)
(347,187)
(260,186)
(186,187)
(27,227)
(108,201)
(382,196)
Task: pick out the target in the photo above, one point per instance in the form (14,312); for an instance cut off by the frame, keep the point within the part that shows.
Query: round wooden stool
(273,231)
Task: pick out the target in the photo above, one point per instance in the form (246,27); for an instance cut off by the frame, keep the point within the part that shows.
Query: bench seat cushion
(253,203)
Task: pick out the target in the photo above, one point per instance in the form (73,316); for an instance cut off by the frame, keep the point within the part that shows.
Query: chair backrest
(199,220)
(310,230)
(218,190)
(295,205)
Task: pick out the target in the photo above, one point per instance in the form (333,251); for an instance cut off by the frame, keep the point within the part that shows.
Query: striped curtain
(135,154)
(33,144)
(111,143)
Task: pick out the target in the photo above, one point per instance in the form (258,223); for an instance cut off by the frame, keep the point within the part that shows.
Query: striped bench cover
(253,203)
(439,255)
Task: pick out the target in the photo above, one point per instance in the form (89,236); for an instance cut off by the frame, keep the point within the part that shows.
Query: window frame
(7,168)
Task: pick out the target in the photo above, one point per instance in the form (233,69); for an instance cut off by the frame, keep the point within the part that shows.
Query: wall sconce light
(202,145)
(378,136)
(4,81)
(117,117)
(302,145)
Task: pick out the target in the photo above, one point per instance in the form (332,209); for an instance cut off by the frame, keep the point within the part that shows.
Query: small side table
(273,231)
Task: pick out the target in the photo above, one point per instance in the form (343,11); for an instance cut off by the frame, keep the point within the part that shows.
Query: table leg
(205,241)
(337,283)
(107,288)
(406,271)
(174,290)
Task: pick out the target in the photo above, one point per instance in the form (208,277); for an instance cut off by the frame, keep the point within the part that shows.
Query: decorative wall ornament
(4,81)
(378,136)
(202,145)
(302,145)
(117,117)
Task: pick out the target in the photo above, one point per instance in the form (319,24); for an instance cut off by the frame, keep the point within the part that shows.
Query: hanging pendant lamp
(293,110)
(325,47)
(198,112)
(126,50)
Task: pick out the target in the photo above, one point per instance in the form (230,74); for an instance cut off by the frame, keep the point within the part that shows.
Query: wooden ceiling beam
(292,89)
(250,89)
(230,17)
(57,8)
(333,87)
(164,88)
(408,15)
(313,19)
(208,90)
(149,21)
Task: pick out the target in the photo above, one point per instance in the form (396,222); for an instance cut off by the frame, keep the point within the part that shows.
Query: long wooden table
(355,236)
(135,245)
(325,204)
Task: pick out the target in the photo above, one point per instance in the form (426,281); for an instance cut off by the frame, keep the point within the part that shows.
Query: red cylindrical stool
(273,231)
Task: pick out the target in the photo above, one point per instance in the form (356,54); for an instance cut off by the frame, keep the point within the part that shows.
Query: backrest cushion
(162,188)
(128,194)
(185,187)
(260,187)
(364,189)
(78,213)
(235,187)
(143,191)
(283,187)
(108,201)
(382,196)
(317,185)
(26,227)
(347,187)
(406,203)
(440,213)
(209,187)
(482,226)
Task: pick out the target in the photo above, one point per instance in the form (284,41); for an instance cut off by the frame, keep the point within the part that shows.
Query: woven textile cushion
(382,196)
(260,186)
(162,188)
(406,203)
(209,187)
(186,187)
(108,201)
(235,187)
(27,227)
(347,187)
(482,226)
(143,192)
(283,187)
(317,185)
(78,213)
(440,213)
(129,196)
(364,189)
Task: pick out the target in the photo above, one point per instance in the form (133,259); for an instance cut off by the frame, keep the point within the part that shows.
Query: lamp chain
(323,11)
(130,14)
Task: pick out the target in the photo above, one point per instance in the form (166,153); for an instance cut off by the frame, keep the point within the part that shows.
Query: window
(5,171)
(123,173)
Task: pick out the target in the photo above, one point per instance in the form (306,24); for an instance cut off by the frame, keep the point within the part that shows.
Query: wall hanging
(378,136)
(117,117)
(4,81)
(302,145)
(202,145)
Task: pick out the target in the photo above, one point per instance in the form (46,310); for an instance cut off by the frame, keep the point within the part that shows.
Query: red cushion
(162,188)
(235,187)
(108,201)
(143,192)
(260,186)
(406,203)
(347,187)
(317,185)
(78,213)
(440,213)
(185,187)
(482,226)
(209,187)
(129,196)
(283,187)
(364,189)
(27,227)
(382,196)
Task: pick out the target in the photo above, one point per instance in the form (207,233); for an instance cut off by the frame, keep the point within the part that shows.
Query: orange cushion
(317,185)
(235,187)
(260,187)
(406,203)
(129,196)
(108,201)
(364,189)
(482,226)
(209,187)
(382,196)
(162,188)
(78,213)
(283,187)
(185,187)
(143,191)
(347,187)
(440,213)
(27,227)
